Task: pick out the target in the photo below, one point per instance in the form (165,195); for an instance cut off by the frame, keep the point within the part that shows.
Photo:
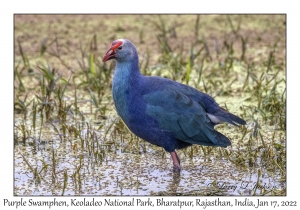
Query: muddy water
(139,169)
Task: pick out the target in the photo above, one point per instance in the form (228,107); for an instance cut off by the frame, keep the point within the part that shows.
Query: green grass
(67,133)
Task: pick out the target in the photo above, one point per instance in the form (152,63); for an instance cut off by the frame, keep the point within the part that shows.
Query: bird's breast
(120,93)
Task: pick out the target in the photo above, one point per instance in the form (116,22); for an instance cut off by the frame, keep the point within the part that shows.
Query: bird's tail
(235,119)
(223,141)
(226,116)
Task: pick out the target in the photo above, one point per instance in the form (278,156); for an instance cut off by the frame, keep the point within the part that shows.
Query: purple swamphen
(161,111)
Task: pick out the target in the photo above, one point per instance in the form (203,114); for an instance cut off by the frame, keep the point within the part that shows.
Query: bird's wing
(216,113)
(184,117)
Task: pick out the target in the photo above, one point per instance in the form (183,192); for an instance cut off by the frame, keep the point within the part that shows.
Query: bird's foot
(176,168)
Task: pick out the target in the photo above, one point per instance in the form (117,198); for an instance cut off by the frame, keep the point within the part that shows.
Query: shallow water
(97,156)
(141,169)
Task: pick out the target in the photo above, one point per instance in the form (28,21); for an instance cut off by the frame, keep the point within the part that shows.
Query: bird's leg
(176,162)
(177,158)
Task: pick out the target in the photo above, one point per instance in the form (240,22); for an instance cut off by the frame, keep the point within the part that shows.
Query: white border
(117,6)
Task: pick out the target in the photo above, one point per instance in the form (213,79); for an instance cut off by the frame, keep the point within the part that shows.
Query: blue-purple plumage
(161,111)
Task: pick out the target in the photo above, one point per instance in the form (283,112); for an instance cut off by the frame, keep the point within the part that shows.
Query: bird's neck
(126,74)
(125,82)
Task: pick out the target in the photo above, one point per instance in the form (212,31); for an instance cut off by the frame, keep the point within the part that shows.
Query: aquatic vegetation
(68,139)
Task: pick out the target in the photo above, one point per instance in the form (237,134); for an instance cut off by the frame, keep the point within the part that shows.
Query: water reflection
(132,174)
(175,183)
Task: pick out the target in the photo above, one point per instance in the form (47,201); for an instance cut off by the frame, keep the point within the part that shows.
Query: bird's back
(158,110)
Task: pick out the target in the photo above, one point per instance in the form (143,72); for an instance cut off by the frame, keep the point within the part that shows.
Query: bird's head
(121,50)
